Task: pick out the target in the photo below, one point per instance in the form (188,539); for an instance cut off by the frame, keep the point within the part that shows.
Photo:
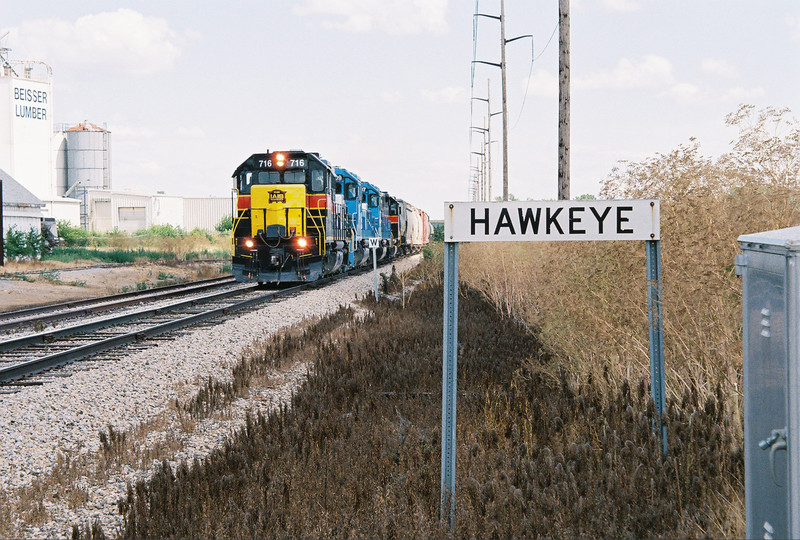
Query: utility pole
(563,100)
(488,131)
(502,66)
(503,87)
(481,170)
(489,136)
(476,181)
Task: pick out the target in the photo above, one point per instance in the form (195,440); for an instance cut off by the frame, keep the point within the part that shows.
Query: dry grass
(588,300)
(178,245)
(540,452)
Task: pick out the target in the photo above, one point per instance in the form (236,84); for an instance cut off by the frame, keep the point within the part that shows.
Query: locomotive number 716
(292,163)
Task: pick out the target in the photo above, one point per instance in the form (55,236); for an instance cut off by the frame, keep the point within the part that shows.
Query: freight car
(298,218)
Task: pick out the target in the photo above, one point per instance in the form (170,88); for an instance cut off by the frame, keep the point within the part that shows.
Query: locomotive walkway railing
(542,221)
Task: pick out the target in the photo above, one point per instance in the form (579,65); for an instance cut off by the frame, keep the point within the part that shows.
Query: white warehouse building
(128,212)
(68,167)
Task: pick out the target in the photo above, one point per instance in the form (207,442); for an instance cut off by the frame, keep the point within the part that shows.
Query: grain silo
(88,157)
(83,163)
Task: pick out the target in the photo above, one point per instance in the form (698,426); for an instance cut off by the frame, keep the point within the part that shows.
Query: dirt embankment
(24,284)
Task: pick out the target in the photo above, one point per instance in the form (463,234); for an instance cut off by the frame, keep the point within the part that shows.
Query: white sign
(526,221)
(374,243)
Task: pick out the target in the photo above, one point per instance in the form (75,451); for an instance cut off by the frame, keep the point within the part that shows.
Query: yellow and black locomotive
(289,224)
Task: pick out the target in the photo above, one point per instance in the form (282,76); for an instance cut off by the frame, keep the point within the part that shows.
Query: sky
(190,89)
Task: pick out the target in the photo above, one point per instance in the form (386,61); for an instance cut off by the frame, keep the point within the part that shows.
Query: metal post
(449,370)
(375,270)
(656,326)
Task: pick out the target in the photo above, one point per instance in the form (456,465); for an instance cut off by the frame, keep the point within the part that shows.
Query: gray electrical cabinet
(770,270)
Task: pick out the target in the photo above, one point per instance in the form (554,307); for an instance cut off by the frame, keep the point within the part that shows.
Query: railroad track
(51,313)
(21,357)
(32,354)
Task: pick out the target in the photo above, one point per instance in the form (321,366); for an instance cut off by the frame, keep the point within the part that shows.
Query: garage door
(132,218)
(101,217)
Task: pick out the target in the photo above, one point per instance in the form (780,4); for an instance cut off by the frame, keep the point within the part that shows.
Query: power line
(530,72)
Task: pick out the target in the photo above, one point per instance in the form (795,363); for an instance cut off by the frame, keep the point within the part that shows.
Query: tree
(225,224)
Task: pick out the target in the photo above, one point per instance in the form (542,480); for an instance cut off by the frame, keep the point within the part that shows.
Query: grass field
(358,452)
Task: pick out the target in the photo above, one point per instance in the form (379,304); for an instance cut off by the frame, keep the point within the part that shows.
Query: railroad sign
(526,221)
(374,243)
(542,221)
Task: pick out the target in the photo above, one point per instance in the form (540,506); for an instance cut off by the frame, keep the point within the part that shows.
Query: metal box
(770,273)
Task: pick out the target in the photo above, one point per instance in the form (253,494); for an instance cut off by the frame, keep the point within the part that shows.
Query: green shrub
(71,235)
(202,233)
(19,245)
(438,232)
(166,231)
(225,224)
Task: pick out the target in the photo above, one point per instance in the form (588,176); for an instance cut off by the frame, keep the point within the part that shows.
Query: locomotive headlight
(280,160)
(302,243)
(249,243)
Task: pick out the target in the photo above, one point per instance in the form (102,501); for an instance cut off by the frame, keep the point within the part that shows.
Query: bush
(225,224)
(23,245)
(71,235)
(165,231)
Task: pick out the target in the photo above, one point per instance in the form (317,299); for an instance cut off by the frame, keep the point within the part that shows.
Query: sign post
(541,221)
(450,354)
(373,245)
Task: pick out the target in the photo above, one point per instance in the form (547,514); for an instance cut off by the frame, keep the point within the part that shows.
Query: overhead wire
(530,72)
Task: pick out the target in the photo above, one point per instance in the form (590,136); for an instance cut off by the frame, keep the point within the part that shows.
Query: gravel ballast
(66,415)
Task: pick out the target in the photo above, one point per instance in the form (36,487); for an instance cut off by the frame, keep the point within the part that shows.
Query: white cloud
(542,83)
(123,41)
(739,94)
(684,92)
(392,16)
(650,72)
(621,5)
(717,66)
(392,96)
(794,23)
(449,94)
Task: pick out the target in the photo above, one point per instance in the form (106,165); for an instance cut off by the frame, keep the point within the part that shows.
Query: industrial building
(21,208)
(129,212)
(67,168)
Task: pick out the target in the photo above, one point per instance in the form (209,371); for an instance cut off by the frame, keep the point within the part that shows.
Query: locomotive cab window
(269,177)
(373,200)
(245,180)
(393,208)
(351,192)
(339,186)
(294,177)
(317,180)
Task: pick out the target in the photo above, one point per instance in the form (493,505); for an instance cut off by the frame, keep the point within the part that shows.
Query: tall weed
(588,300)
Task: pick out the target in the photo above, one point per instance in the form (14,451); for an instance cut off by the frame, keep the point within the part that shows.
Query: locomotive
(298,218)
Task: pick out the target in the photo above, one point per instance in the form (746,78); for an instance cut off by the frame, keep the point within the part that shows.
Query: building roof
(86,126)
(15,194)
